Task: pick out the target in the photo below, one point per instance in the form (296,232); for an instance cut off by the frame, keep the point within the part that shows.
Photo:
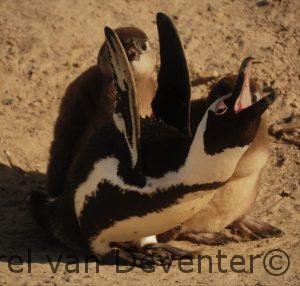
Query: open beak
(242,94)
(259,107)
(242,88)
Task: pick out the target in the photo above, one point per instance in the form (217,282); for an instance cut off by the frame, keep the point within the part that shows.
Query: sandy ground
(46,44)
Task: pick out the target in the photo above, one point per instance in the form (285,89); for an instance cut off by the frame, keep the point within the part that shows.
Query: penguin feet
(161,253)
(147,254)
(169,235)
(253,229)
(213,238)
(167,251)
(151,254)
(133,259)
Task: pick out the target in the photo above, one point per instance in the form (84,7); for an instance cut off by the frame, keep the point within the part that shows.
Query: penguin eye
(221,108)
(144,46)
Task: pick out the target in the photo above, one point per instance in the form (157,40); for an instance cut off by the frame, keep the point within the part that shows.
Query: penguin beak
(259,107)
(242,91)
(242,98)
(133,52)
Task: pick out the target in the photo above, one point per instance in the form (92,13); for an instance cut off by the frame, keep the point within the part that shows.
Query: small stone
(280,160)
(297,208)
(30,74)
(294,104)
(215,73)
(7,101)
(262,3)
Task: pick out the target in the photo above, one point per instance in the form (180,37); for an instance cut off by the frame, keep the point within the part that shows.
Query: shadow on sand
(19,234)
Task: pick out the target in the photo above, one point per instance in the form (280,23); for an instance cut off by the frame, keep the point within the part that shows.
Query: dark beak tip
(272,94)
(250,58)
(246,62)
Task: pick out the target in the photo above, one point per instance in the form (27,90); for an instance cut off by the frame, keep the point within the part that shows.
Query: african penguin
(231,205)
(109,196)
(89,100)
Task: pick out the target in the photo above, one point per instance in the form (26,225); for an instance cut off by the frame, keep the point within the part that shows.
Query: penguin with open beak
(89,101)
(113,194)
(231,205)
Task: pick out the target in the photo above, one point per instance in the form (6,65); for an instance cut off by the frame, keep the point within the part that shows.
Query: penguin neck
(201,167)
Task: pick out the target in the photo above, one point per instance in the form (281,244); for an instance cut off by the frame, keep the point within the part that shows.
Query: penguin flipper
(172,100)
(126,114)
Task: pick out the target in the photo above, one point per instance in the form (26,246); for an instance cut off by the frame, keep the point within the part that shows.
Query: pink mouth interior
(245,99)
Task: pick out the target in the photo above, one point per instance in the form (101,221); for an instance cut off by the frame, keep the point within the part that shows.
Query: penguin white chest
(135,227)
(112,211)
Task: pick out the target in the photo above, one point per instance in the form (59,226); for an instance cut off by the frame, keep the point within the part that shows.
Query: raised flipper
(252,229)
(126,115)
(172,100)
(127,120)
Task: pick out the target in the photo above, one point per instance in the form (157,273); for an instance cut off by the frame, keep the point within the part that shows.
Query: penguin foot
(169,235)
(133,254)
(253,229)
(167,251)
(133,259)
(213,238)
(151,254)
(159,255)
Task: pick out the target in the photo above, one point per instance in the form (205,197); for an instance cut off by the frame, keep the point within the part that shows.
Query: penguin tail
(46,212)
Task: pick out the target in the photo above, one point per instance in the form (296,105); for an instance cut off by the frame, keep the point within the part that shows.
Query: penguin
(109,196)
(88,103)
(230,206)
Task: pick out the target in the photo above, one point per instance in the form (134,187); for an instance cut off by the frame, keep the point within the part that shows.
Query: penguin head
(232,120)
(137,47)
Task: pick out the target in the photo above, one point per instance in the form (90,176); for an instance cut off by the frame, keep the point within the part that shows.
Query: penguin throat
(200,167)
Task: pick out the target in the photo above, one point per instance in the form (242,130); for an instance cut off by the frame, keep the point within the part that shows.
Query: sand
(46,44)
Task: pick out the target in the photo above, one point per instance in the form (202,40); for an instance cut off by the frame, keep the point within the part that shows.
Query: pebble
(7,101)
(262,3)
(297,208)
(215,73)
(207,74)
